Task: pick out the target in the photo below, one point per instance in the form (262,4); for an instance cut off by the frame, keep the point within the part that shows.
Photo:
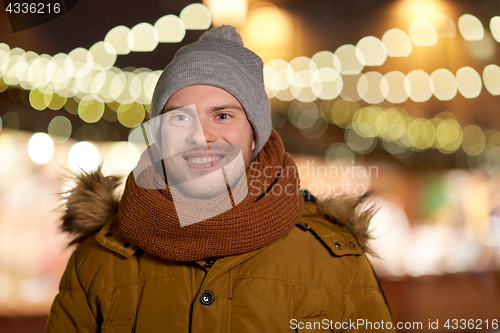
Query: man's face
(204,128)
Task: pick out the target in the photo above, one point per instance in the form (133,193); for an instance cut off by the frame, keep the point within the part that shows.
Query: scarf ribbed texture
(271,208)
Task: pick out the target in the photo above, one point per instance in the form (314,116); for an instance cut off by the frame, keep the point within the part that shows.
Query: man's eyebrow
(227,106)
(171,108)
(215,108)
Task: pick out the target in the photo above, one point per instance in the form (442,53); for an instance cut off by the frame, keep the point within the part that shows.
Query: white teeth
(203,160)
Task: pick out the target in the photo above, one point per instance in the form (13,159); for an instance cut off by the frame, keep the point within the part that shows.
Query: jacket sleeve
(70,312)
(365,307)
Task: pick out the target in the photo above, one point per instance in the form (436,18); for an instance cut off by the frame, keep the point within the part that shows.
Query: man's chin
(204,191)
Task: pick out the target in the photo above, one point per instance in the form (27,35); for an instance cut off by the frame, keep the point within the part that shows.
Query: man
(212,232)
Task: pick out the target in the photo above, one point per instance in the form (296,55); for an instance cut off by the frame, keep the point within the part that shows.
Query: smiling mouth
(203,160)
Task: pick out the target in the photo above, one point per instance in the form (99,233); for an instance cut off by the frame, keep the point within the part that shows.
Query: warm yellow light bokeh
(268,31)
(233,12)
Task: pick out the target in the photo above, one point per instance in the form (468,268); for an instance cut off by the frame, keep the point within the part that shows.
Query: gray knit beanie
(219,59)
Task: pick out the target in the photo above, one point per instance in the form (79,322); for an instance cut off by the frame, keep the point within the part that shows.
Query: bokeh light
(327,59)
(303,115)
(278,75)
(495,27)
(421,133)
(470,27)
(304,83)
(374,51)
(60,129)
(351,59)
(364,122)
(339,152)
(40,98)
(393,88)
(303,63)
(394,148)
(196,17)
(397,43)
(104,54)
(396,125)
(118,38)
(331,83)
(78,64)
(420,8)
(342,111)
(474,140)
(123,157)
(444,25)
(134,86)
(359,143)
(4,56)
(418,85)
(84,155)
(231,12)
(316,131)
(90,109)
(149,84)
(423,33)
(448,135)
(469,82)
(170,29)
(444,83)
(117,85)
(143,37)
(130,114)
(491,79)
(369,87)
(268,31)
(40,148)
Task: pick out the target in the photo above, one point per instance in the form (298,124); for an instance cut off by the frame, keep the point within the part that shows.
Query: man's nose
(201,134)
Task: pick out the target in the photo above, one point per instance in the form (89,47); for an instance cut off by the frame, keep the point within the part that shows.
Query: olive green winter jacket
(316,278)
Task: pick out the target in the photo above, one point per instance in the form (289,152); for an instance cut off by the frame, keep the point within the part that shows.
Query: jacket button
(108,234)
(207,297)
(352,244)
(337,245)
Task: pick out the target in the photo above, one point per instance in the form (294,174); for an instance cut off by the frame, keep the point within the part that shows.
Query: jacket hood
(94,199)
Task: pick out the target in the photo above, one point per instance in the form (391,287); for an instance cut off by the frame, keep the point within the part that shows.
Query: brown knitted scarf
(271,208)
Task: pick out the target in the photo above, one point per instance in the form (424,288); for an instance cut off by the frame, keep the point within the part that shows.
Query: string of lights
(85,81)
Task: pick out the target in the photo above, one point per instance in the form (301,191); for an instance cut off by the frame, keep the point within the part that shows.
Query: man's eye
(180,117)
(223,116)
(179,120)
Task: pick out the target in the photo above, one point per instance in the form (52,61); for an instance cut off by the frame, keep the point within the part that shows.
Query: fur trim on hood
(351,213)
(94,200)
(89,204)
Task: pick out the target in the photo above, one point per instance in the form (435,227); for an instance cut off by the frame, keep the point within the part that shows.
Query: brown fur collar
(94,199)
(351,213)
(89,204)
